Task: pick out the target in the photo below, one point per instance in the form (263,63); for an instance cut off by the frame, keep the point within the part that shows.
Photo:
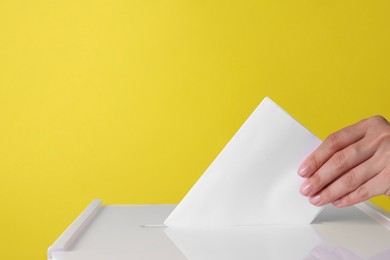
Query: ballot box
(137,232)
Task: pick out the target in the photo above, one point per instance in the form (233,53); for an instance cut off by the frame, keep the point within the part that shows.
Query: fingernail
(337,203)
(305,188)
(303,171)
(315,200)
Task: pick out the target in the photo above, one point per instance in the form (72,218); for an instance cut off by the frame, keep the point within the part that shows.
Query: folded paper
(253,181)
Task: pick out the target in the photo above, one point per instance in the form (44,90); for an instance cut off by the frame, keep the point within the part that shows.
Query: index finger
(332,144)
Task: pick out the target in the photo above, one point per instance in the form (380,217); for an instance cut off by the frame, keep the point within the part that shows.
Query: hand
(350,166)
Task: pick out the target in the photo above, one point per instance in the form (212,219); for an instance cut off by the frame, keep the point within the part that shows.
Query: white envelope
(254,180)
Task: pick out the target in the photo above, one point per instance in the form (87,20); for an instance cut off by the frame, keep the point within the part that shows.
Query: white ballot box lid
(136,232)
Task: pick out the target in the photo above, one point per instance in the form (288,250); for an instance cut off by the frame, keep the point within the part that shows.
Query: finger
(348,182)
(332,144)
(340,163)
(373,187)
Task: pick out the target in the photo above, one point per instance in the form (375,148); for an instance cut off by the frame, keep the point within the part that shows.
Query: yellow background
(130,101)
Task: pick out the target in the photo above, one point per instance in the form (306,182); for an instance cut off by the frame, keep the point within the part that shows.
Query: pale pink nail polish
(315,200)
(337,203)
(303,171)
(305,188)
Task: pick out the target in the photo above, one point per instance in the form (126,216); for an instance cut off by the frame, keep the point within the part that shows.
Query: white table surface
(116,232)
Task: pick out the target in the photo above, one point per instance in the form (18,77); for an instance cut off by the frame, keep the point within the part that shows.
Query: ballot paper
(254,180)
